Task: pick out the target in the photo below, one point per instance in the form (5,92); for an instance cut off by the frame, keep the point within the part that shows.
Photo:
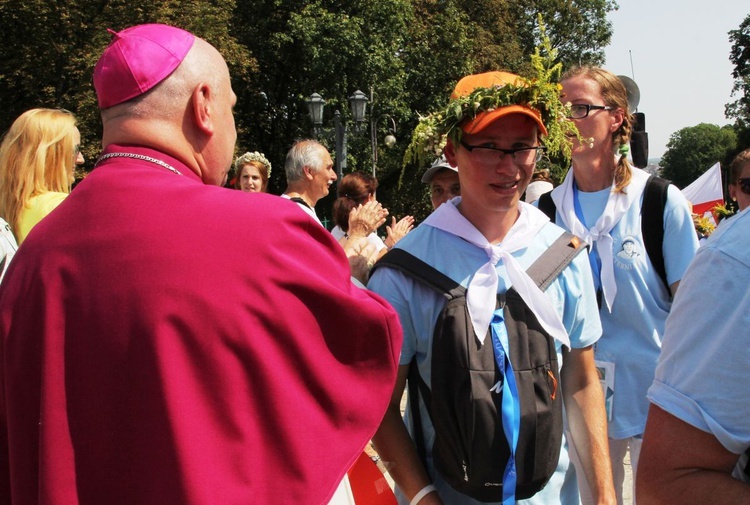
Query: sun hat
(468,84)
(437,165)
(137,59)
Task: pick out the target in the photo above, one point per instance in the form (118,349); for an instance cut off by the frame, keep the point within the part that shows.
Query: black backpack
(652,220)
(470,449)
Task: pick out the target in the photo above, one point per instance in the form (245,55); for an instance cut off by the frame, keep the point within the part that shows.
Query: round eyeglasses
(491,155)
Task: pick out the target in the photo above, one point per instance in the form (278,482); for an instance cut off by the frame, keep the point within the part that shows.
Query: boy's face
(496,185)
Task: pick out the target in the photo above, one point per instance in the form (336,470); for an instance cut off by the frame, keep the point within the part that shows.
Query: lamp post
(358,106)
(357,103)
(389,140)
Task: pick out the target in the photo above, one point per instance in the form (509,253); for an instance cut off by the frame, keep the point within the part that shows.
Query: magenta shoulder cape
(167,342)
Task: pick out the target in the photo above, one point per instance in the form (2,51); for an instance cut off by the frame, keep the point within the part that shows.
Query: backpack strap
(547,205)
(418,269)
(554,260)
(652,222)
(417,386)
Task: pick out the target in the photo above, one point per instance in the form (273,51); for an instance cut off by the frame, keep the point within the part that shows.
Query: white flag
(705,192)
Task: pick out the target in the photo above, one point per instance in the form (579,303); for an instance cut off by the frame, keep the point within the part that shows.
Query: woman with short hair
(357,189)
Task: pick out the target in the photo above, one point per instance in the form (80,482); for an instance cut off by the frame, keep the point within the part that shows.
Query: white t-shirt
(8,247)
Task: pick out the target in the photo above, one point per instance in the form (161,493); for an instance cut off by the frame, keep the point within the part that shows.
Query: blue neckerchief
(596,262)
(510,410)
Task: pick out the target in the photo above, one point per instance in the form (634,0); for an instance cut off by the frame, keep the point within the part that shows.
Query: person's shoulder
(548,234)
(47,199)
(732,237)
(675,198)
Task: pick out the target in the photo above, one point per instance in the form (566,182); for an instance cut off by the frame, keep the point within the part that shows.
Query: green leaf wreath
(540,92)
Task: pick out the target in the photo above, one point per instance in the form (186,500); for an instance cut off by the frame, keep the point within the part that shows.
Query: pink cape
(167,342)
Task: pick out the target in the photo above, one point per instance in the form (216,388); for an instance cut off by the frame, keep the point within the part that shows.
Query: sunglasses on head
(744,185)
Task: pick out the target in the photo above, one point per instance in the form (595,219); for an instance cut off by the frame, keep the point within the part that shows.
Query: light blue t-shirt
(632,332)
(702,373)
(418,307)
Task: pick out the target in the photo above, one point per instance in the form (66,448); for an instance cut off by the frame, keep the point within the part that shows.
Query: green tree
(332,48)
(693,150)
(48,50)
(740,58)
(410,53)
(578,29)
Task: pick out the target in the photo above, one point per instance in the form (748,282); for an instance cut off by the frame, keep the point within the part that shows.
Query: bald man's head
(188,114)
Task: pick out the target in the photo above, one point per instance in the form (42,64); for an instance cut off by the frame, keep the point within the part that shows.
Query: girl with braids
(600,201)
(357,189)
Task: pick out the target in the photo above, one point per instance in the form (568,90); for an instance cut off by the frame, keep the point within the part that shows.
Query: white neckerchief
(598,236)
(481,294)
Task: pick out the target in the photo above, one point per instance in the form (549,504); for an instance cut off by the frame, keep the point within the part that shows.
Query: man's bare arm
(682,464)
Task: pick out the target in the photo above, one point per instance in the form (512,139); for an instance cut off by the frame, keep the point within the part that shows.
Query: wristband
(424,492)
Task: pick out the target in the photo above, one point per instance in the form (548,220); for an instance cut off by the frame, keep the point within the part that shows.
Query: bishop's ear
(202,100)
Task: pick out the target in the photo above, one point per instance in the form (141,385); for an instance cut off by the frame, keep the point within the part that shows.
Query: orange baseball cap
(488,80)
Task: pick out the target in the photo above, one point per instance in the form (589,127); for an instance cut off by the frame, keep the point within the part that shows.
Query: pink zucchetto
(137,59)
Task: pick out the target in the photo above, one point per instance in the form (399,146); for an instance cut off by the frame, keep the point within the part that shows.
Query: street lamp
(389,140)
(315,106)
(357,103)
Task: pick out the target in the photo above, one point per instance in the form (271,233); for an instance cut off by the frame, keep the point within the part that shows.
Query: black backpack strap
(547,205)
(417,387)
(652,223)
(554,260)
(415,267)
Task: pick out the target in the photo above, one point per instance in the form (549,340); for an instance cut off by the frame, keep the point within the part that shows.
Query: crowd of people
(165,339)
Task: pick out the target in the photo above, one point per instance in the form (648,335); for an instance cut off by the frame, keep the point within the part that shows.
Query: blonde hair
(37,156)
(615,95)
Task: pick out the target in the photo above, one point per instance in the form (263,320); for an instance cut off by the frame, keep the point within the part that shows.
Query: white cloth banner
(705,192)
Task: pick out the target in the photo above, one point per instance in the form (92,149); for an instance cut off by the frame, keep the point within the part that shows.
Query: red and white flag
(705,192)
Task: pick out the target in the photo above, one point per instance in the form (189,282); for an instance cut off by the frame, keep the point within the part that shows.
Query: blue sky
(680,52)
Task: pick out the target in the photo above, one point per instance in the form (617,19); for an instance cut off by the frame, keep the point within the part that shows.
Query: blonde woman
(601,200)
(37,158)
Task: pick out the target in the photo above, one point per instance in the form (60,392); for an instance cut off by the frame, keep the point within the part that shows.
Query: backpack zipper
(554,381)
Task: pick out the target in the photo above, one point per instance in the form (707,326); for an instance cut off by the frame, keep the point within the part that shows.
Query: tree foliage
(693,150)
(410,53)
(740,58)
(48,50)
(579,29)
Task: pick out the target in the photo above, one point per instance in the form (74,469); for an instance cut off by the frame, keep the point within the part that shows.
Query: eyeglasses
(582,110)
(744,184)
(491,155)
(76,149)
